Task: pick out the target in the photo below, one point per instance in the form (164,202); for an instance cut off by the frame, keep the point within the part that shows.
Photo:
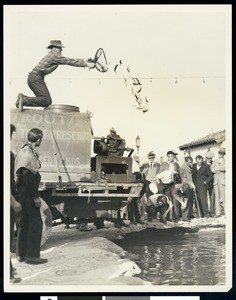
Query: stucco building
(211,142)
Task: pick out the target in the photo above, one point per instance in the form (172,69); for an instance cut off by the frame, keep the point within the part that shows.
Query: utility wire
(144,78)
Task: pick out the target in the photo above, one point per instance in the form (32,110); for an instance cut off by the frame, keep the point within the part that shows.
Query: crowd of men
(173,191)
(168,191)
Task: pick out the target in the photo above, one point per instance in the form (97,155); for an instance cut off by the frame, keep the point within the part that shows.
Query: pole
(55,153)
(198,208)
(55,145)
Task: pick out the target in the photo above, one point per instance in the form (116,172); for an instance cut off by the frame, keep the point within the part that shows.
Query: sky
(181,55)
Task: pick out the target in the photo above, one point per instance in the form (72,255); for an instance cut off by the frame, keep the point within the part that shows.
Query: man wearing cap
(209,159)
(218,170)
(171,165)
(149,170)
(46,66)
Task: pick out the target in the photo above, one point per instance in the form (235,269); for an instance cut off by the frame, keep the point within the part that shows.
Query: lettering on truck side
(41,118)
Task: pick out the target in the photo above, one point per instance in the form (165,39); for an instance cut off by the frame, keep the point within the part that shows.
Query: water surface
(167,258)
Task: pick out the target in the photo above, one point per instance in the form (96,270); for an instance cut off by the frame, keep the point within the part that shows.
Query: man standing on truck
(30,226)
(46,66)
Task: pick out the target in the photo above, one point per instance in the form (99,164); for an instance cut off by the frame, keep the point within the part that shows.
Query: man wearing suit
(149,171)
(151,168)
(202,176)
(218,169)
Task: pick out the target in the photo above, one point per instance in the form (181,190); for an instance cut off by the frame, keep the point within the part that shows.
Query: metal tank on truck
(77,188)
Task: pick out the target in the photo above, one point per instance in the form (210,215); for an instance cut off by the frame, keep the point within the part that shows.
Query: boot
(21,101)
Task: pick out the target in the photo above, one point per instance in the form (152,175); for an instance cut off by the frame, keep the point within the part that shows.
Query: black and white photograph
(117,148)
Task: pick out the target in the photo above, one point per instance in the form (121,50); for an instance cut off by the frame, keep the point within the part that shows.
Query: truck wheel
(46,216)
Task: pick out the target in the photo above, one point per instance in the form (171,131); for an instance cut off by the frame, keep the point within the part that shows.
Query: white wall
(202,150)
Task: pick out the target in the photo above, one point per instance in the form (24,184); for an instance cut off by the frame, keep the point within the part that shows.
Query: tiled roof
(217,137)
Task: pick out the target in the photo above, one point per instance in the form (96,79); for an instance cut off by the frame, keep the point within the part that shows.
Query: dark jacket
(12,167)
(201,175)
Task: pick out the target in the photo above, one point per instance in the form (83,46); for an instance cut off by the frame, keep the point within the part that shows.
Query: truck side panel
(72,132)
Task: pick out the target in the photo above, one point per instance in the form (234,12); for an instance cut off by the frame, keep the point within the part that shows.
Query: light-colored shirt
(27,158)
(171,166)
(166,176)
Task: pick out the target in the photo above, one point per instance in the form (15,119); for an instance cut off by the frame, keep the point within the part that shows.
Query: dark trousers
(188,212)
(201,191)
(133,212)
(12,221)
(212,201)
(169,191)
(152,211)
(38,86)
(30,229)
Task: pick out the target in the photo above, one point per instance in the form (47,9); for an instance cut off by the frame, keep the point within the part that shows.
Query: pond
(168,258)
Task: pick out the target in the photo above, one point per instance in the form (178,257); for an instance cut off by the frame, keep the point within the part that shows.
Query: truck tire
(47,221)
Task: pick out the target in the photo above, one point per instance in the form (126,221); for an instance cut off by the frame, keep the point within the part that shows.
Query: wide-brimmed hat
(209,154)
(55,43)
(151,154)
(172,152)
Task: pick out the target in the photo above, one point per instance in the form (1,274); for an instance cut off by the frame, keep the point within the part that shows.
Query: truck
(75,186)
